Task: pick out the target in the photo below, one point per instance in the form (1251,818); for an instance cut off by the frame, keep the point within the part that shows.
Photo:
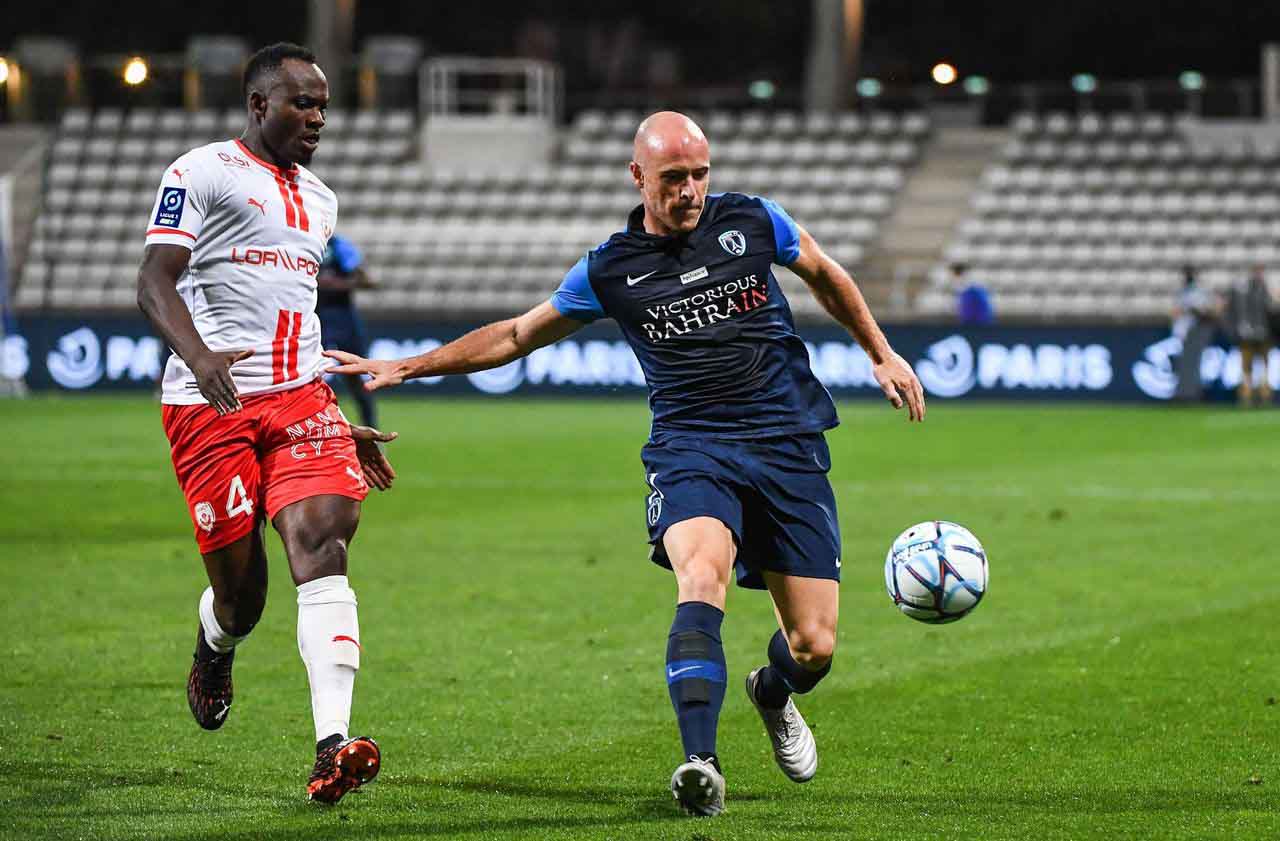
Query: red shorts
(278,449)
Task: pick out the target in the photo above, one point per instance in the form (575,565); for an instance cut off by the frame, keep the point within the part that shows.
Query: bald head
(668,133)
(671,166)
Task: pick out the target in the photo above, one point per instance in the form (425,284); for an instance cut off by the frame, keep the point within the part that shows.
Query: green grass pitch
(1119,680)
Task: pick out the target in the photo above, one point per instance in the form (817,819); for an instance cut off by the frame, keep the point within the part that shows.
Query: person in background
(1193,323)
(341,273)
(1248,319)
(973,301)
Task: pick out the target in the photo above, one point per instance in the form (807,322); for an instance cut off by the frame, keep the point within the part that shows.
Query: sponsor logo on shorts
(205,516)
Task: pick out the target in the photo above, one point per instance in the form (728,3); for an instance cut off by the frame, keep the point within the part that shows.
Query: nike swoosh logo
(345,638)
(673,673)
(632,281)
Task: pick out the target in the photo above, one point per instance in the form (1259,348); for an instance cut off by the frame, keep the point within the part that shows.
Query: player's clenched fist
(213,377)
(384,373)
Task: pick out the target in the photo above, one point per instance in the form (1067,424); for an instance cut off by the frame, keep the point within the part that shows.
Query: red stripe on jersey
(303,222)
(170,231)
(293,345)
(277,348)
(289,218)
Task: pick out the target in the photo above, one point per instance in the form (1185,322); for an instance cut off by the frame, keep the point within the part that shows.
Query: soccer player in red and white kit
(233,246)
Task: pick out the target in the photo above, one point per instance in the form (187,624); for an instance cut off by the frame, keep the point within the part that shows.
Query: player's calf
(786,673)
(695,671)
(329,644)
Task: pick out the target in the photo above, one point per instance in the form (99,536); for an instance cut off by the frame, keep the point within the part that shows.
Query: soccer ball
(936,572)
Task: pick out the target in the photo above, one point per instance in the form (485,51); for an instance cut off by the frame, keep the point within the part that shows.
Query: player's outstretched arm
(840,296)
(158,299)
(485,347)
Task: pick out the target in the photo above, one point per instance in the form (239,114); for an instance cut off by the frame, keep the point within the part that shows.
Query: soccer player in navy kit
(736,461)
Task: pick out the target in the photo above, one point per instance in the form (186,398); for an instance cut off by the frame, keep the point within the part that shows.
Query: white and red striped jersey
(257,235)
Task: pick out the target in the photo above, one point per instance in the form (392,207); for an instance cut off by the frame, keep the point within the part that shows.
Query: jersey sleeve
(575,298)
(786,235)
(182,202)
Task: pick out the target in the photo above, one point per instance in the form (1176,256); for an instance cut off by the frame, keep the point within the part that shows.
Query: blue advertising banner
(1040,363)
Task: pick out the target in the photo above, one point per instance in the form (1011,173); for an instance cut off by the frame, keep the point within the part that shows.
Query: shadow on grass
(493,806)
(567,793)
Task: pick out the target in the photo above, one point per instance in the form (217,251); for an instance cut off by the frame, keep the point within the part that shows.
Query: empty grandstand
(470,240)
(1096,216)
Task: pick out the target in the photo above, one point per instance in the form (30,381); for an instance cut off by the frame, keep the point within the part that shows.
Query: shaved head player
(736,461)
(233,246)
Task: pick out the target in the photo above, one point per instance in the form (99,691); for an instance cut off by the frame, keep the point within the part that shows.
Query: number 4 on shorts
(245,505)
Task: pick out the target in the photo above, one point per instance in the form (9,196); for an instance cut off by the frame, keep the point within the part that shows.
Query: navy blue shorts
(772,493)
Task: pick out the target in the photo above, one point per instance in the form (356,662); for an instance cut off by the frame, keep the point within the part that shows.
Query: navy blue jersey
(707,320)
(341,256)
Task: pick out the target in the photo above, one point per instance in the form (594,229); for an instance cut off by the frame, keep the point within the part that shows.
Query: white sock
(216,638)
(329,642)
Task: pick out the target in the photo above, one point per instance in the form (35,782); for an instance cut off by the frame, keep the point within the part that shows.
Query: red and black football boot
(209,684)
(342,767)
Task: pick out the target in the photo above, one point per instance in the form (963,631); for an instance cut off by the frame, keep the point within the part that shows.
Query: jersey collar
(290,172)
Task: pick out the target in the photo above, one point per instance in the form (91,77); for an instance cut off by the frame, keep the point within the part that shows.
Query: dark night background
(722,41)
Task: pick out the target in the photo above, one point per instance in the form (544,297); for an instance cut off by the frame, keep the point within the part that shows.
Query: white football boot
(698,787)
(793,745)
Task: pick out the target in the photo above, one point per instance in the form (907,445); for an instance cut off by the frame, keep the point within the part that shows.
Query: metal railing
(490,86)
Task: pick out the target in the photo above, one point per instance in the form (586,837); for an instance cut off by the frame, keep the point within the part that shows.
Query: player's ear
(257,104)
(637,175)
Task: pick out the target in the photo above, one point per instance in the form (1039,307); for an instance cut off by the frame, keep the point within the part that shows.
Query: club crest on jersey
(205,516)
(169,214)
(734,242)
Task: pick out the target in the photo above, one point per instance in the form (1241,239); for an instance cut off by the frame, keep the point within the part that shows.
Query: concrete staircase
(935,199)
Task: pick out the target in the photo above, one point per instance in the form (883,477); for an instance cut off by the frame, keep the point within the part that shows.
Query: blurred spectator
(973,302)
(1249,322)
(341,273)
(1193,323)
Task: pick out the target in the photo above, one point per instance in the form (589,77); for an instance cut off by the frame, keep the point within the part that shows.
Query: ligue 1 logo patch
(734,242)
(172,200)
(205,516)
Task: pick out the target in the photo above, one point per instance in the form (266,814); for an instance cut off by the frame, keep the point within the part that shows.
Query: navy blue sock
(784,675)
(696,675)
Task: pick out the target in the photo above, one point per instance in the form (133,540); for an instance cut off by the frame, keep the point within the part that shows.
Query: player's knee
(703,579)
(812,645)
(318,558)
